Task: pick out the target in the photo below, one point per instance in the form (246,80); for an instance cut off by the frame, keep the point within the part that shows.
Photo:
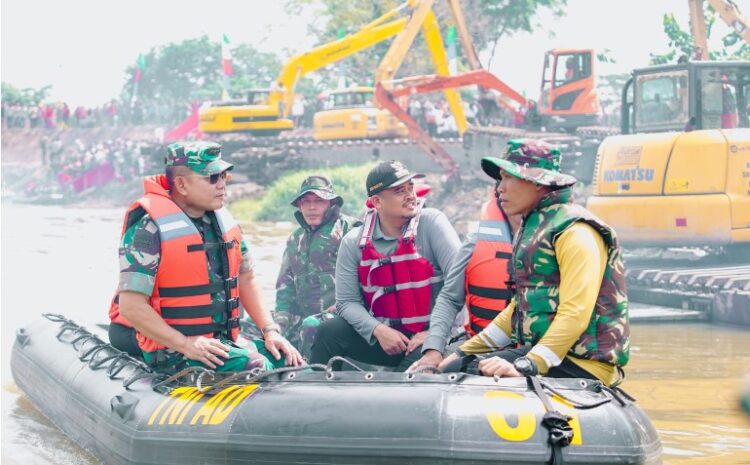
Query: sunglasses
(214,178)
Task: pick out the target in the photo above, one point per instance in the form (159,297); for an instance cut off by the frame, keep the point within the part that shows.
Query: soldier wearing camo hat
(305,291)
(185,270)
(569,317)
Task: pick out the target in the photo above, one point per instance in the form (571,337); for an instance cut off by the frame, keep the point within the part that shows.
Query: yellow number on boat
(526,424)
(526,419)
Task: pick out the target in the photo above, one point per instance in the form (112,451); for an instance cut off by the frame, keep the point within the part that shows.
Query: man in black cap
(305,289)
(388,273)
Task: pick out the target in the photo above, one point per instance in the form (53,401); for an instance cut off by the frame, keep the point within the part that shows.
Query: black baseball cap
(388,174)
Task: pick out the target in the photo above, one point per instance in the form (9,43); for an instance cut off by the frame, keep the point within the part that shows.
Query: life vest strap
(505,255)
(198,311)
(476,328)
(187,291)
(403,321)
(209,328)
(382,290)
(490,293)
(210,246)
(483,313)
(374,263)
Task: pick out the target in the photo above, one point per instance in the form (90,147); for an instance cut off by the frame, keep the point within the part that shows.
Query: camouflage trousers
(299,331)
(254,355)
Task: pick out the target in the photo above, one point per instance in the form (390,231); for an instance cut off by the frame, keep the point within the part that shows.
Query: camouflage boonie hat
(320,186)
(529,159)
(202,157)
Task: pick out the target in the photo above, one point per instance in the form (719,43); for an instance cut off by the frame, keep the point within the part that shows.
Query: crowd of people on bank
(72,168)
(537,289)
(60,115)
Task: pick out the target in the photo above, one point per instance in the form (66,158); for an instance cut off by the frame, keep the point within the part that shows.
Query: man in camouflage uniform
(569,316)
(194,187)
(305,289)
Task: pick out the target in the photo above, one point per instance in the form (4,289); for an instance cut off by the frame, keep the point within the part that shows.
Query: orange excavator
(573,94)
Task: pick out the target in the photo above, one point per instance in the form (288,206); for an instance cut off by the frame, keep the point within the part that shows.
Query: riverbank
(26,179)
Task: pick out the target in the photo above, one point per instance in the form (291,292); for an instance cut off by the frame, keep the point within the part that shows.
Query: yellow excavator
(679,175)
(266,113)
(351,114)
(367,121)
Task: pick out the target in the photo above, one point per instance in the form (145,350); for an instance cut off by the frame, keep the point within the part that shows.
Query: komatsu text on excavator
(679,174)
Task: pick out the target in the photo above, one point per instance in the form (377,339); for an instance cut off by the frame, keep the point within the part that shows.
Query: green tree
(191,70)
(681,42)
(489,22)
(27,96)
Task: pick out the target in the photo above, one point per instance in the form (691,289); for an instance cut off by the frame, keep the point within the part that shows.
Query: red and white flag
(226,55)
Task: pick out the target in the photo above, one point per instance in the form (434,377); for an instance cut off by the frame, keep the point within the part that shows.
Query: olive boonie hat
(529,159)
(202,157)
(320,186)
(388,174)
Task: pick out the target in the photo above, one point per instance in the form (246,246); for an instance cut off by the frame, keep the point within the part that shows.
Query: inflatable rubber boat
(117,408)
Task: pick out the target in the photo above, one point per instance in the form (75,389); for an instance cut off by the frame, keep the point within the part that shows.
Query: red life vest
(397,288)
(487,273)
(183,288)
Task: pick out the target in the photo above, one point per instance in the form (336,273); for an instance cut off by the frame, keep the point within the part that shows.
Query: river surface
(687,377)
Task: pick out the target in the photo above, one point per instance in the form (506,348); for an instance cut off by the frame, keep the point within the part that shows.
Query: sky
(82,47)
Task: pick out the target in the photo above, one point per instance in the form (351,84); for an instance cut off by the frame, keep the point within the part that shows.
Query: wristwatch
(271,327)
(526,366)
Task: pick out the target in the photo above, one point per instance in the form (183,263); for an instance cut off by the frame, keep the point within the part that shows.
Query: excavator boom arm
(329,53)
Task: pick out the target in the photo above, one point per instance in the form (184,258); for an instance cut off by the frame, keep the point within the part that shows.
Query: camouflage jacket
(306,281)
(537,277)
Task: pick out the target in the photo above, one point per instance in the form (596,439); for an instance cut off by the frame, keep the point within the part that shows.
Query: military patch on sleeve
(143,241)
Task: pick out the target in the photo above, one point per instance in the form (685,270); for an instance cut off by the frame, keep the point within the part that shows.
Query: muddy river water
(687,377)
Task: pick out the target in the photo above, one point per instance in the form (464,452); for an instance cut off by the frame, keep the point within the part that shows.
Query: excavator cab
(351,114)
(568,97)
(252,114)
(679,175)
(691,95)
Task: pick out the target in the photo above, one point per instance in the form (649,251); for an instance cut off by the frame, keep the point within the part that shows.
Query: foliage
(682,44)
(191,70)
(492,20)
(348,181)
(30,97)
(489,21)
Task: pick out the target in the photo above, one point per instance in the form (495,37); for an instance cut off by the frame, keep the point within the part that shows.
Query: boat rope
(337,358)
(598,387)
(558,424)
(90,348)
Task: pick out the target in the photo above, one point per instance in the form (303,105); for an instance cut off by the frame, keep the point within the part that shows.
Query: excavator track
(717,285)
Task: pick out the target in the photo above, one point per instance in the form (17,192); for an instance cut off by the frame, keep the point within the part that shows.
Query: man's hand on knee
(208,351)
(392,341)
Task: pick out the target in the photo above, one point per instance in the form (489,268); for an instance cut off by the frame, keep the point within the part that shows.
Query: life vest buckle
(389,289)
(233,323)
(384,261)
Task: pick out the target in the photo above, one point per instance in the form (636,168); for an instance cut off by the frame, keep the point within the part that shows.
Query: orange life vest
(487,273)
(183,288)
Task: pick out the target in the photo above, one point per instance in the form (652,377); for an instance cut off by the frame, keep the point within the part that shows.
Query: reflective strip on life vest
(381,291)
(494,231)
(385,260)
(403,321)
(174,226)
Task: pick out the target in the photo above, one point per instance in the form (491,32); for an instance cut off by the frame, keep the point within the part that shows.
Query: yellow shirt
(582,258)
